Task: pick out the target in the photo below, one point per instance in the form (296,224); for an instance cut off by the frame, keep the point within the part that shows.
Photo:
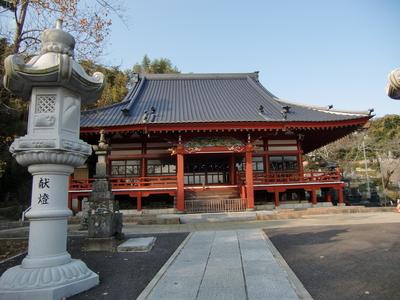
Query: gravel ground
(123,276)
(343,262)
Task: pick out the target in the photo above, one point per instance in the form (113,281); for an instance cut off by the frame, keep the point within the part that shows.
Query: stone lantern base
(52,283)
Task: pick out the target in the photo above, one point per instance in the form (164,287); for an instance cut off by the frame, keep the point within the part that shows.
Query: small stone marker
(143,244)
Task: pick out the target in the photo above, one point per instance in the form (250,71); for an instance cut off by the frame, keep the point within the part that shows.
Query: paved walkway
(235,260)
(235,264)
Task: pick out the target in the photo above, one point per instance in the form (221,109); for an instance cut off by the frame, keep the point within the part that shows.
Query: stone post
(104,220)
(56,86)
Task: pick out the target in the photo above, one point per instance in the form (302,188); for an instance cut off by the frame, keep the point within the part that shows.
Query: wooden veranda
(275,183)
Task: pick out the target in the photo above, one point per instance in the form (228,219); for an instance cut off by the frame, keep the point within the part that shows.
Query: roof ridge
(327,109)
(97,109)
(183,76)
(264,92)
(135,92)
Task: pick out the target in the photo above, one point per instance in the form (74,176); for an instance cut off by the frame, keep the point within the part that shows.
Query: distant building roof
(207,98)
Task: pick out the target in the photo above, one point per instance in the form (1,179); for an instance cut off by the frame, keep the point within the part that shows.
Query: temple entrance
(206,170)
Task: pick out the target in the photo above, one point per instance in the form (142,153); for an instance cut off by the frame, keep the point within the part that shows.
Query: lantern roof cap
(57,40)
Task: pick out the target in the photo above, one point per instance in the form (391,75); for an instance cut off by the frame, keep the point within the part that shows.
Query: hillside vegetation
(370,156)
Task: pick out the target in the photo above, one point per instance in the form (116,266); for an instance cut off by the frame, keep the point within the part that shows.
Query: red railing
(80,184)
(171,181)
(126,183)
(305,177)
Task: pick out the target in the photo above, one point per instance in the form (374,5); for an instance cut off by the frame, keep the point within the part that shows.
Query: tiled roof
(205,98)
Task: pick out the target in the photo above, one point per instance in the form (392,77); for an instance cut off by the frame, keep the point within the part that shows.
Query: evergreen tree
(157,66)
(116,88)
(15,181)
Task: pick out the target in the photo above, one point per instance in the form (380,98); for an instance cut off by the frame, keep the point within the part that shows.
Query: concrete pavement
(309,220)
(235,264)
(221,261)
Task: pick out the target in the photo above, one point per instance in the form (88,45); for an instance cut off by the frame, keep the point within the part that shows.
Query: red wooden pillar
(143,168)
(70,201)
(180,193)
(276,196)
(69,193)
(340,194)
(249,181)
(314,196)
(80,203)
(232,169)
(328,197)
(139,202)
(300,163)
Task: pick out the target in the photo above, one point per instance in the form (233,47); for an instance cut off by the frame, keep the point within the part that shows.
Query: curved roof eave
(328,108)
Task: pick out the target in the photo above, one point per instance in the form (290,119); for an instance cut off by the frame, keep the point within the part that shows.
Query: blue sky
(315,52)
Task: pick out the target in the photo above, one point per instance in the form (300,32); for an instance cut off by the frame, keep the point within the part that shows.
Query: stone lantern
(56,86)
(393,88)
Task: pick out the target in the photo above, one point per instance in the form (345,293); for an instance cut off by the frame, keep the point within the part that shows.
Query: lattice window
(46,104)
(125,168)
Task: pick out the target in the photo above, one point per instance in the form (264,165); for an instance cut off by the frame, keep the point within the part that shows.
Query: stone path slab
(143,244)
(235,264)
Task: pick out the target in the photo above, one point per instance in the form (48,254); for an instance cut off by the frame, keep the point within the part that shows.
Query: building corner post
(180,194)
(249,181)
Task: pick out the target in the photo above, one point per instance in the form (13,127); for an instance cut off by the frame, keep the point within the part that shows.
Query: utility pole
(366,172)
(381,162)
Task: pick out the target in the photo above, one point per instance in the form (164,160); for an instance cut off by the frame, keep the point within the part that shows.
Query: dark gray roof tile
(200,98)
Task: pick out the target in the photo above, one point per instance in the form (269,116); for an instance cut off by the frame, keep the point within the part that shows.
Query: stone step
(159,221)
(216,217)
(279,214)
(285,214)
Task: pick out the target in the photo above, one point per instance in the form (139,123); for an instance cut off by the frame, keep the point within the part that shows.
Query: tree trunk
(20,21)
